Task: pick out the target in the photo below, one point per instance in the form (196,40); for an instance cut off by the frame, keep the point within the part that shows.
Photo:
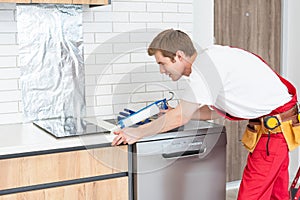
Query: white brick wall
(10,94)
(134,24)
(118,71)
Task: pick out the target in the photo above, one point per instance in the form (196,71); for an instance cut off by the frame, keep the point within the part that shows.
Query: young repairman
(234,83)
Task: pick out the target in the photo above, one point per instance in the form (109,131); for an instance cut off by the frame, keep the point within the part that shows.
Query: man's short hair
(170,41)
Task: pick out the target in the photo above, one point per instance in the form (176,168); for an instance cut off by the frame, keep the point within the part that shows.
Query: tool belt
(286,123)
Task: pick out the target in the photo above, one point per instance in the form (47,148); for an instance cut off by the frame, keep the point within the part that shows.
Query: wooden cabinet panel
(111,189)
(32,170)
(236,153)
(52,1)
(15,1)
(91,2)
(251,25)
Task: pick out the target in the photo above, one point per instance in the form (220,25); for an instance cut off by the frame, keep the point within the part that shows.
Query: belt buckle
(271,122)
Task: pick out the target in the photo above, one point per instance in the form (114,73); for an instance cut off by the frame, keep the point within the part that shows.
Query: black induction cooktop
(70,126)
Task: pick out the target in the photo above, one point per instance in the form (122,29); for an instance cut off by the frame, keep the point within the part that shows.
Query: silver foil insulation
(51,60)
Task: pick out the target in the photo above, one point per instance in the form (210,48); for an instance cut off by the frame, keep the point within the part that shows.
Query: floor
(232,189)
(231,194)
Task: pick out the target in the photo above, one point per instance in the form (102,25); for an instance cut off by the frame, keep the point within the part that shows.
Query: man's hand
(164,111)
(126,136)
(171,119)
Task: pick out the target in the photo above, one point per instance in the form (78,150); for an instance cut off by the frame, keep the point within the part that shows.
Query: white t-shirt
(236,82)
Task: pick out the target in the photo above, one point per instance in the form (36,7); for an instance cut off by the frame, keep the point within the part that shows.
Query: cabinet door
(251,25)
(15,1)
(91,2)
(48,168)
(110,189)
(254,26)
(52,1)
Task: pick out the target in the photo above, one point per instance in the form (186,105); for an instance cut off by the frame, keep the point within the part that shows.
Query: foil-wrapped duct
(51,60)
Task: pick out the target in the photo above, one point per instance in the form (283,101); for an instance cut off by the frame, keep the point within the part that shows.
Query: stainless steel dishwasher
(184,164)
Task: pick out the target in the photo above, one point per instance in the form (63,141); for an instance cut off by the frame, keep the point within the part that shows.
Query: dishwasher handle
(183,154)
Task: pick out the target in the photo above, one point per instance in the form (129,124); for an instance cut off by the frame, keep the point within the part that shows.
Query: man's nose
(162,69)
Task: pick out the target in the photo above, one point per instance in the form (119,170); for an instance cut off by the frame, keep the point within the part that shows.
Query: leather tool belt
(288,124)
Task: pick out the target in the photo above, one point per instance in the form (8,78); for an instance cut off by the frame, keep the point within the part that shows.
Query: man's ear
(180,55)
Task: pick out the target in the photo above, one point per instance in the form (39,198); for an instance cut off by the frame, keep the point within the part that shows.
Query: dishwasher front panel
(188,168)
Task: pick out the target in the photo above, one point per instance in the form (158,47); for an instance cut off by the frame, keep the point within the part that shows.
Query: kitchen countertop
(27,139)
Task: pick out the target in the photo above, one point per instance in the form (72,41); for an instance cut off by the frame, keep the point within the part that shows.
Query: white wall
(124,25)
(10,95)
(290,58)
(116,72)
(203,22)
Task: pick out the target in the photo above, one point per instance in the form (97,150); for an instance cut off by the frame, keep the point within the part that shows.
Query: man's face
(174,69)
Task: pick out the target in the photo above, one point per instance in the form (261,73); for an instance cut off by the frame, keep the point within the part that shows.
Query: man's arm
(170,120)
(205,113)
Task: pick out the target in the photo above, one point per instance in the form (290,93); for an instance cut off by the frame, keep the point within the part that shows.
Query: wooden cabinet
(52,1)
(15,1)
(111,189)
(92,2)
(96,172)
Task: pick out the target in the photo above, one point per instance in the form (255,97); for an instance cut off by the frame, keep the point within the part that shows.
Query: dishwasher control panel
(186,146)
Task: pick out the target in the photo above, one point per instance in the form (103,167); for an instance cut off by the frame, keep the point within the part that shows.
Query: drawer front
(95,2)
(111,189)
(33,170)
(52,1)
(91,2)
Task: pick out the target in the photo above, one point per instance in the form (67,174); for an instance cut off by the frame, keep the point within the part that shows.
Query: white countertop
(27,138)
(23,138)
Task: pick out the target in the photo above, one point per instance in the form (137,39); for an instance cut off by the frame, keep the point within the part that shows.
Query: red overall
(265,176)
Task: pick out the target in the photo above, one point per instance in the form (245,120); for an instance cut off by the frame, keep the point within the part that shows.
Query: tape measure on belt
(271,122)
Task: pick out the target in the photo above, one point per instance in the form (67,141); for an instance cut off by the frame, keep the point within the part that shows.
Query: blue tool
(142,116)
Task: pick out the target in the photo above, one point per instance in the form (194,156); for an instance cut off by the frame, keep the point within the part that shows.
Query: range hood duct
(51,60)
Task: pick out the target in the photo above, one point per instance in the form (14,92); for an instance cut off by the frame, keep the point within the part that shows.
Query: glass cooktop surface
(65,127)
